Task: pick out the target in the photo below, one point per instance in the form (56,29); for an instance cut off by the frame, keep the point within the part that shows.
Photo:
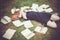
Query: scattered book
(28,24)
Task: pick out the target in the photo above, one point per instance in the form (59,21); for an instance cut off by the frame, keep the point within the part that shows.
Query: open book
(28,24)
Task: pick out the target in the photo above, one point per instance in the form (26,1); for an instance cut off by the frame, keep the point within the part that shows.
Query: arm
(23,14)
(23,11)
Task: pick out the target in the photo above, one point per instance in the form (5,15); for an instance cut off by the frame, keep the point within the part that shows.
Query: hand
(14,17)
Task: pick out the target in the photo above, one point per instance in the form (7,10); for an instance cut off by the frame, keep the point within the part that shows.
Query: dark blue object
(41,17)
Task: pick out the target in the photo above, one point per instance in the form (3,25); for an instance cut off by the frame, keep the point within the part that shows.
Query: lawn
(18,36)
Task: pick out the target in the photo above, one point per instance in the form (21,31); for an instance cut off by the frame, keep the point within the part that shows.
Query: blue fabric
(41,17)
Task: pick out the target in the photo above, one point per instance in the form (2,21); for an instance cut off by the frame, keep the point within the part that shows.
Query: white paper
(44,30)
(49,10)
(8,19)
(27,33)
(34,7)
(44,6)
(4,21)
(9,33)
(27,24)
(17,23)
(37,29)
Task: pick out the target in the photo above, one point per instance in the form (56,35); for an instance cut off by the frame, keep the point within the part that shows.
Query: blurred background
(7,5)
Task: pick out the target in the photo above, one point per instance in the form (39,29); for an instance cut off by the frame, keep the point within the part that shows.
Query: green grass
(38,36)
(20,3)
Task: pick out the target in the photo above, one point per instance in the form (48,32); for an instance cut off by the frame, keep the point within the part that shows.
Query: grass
(18,36)
(38,36)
